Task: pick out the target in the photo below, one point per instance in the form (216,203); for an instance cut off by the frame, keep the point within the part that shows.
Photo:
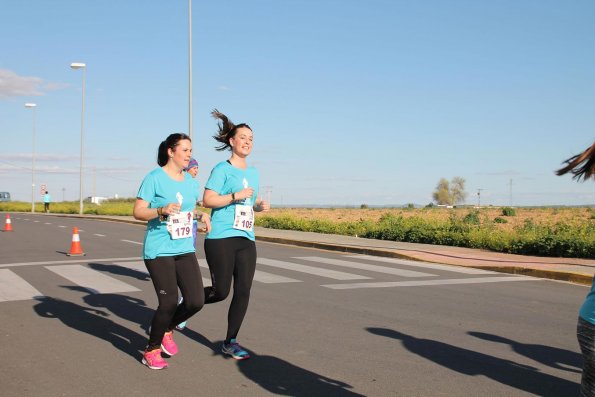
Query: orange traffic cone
(75,247)
(8,224)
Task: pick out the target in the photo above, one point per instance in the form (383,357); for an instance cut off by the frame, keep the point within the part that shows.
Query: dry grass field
(542,216)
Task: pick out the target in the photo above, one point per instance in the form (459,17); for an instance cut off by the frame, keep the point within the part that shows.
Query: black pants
(168,273)
(231,258)
(46,207)
(585,332)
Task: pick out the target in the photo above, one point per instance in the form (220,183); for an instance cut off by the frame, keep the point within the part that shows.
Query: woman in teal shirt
(583,166)
(231,191)
(167,200)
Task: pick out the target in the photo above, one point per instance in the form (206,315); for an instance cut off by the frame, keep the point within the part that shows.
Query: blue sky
(351,101)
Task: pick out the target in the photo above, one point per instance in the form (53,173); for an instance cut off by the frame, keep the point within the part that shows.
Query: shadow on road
(472,363)
(278,376)
(551,356)
(93,322)
(120,270)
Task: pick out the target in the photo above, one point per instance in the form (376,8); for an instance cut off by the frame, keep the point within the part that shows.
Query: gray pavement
(565,269)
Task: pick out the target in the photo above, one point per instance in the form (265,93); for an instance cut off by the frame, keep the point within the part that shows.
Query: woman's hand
(171,209)
(262,206)
(206,219)
(244,193)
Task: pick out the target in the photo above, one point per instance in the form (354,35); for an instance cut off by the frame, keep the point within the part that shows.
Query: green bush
(508,211)
(500,220)
(472,218)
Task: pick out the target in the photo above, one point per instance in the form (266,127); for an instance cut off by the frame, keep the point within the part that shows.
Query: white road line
(425,265)
(82,260)
(61,226)
(260,276)
(132,242)
(14,288)
(92,280)
(99,235)
(365,266)
(48,223)
(310,270)
(476,280)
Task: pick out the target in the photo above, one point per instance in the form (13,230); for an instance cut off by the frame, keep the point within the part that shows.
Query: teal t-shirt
(587,311)
(158,189)
(225,179)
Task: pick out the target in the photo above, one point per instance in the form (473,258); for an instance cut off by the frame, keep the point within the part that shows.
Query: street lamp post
(190,69)
(32,106)
(78,65)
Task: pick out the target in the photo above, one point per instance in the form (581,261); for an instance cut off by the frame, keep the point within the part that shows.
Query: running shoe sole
(147,364)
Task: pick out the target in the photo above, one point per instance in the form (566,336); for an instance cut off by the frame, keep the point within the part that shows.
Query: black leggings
(231,257)
(168,273)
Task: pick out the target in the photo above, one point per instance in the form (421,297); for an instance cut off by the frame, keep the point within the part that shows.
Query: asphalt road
(319,324)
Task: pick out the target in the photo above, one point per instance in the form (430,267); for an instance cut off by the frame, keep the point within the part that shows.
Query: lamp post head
(30,105)
(78,65)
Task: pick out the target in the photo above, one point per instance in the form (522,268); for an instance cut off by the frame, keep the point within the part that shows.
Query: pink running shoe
(154,360)
(168,345)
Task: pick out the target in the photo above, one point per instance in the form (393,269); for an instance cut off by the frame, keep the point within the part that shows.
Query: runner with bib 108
(232,193)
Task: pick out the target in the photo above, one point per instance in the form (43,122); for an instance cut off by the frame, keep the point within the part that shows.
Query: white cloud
(38,157)
(13,85)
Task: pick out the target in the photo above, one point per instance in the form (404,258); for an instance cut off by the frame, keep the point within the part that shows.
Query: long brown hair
(581,166)
(226,130)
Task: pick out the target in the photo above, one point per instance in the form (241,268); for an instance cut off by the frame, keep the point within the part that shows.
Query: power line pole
(511,192)
(479,198)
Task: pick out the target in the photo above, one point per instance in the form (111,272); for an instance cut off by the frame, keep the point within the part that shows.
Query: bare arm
(142,212)
(212,199)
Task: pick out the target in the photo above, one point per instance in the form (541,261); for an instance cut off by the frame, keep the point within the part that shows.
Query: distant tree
(442,193)
(450,193)
(457,190)
(363,206)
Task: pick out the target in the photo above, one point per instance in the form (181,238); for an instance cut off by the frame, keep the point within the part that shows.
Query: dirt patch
(541,216)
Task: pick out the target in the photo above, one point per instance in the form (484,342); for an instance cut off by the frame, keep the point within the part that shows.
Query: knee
(213,294)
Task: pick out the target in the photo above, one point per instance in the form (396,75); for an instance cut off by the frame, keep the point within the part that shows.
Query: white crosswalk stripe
(14,288)
(364,266)
(317,271)
(425,265)
(260,276)
(92,280)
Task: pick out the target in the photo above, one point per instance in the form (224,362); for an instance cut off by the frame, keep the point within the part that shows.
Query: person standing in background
(47,199)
